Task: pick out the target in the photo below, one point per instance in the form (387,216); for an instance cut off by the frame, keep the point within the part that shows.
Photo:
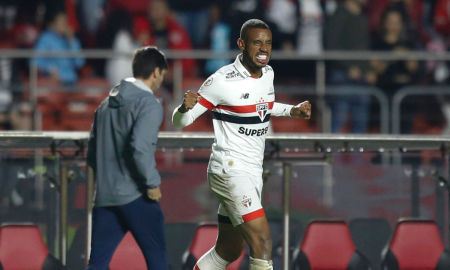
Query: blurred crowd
(302,26)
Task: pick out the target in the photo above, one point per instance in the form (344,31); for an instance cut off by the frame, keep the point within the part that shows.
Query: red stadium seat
(22,248)
(416,244)
(92,90)
(329,245)
(78,116)
(204,239)
(128,255)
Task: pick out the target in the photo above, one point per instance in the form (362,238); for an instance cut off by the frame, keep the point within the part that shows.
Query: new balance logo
(244,96)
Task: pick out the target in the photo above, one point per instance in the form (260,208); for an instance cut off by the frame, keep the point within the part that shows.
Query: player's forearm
(280,109)
(185,119)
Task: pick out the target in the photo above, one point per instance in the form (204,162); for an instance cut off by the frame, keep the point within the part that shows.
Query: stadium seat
(22,248)
(328,245)
(92,90)
(416,244)
(78,116)
(204,239)
(297,230)
(370,236)
(128,255)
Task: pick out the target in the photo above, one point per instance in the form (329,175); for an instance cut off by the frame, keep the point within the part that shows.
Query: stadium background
(60,91)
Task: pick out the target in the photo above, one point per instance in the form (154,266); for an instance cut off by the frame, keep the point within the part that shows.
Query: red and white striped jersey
(241,106)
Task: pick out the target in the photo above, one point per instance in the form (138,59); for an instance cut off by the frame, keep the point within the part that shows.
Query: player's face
(258,46)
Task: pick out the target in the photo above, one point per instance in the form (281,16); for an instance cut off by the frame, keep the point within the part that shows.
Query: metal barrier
(412,91)
(344,90)
(314,144)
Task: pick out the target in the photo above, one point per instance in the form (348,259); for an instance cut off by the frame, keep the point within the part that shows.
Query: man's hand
(189,101)
(302,110)
(154,194)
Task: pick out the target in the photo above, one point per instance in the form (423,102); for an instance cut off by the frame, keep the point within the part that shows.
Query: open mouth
(262,58)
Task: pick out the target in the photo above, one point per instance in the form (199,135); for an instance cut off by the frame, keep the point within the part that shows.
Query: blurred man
(348,29)
(242,99)
(167,33)
(59,37)
(121,152)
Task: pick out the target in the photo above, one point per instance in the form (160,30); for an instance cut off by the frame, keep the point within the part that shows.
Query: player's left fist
(302,110)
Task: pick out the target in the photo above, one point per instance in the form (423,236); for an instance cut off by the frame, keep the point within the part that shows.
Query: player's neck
(256,72)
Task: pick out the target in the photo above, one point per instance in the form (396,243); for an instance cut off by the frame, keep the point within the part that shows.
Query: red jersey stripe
(205,103)
(196,267)
(242,109)
(253,215)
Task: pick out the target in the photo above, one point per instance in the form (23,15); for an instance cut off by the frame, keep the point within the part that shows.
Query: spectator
(393,75)
(91,14)
(166,33)
(241,11)
(413,17)
(284,14)
(220,40)
(193,15)
(348,29)
(59,37)
(311,26)
(135,7)
(119,37)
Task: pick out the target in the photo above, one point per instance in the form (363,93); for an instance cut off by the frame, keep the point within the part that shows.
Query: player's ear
(241,44)
(156,73)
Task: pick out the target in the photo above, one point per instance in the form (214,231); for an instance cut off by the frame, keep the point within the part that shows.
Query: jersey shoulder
(220,77)
(267,70)
(229,73)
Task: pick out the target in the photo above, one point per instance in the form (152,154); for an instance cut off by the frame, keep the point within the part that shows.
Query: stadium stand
(22,248)
(328,244)
(416,244)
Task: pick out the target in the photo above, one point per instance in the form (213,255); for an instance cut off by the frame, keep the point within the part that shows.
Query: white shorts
(239,194)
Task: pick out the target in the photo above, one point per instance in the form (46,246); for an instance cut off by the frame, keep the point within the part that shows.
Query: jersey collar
(240,68)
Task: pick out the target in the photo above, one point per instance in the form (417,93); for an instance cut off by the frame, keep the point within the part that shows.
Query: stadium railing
(420,91)
(320,91)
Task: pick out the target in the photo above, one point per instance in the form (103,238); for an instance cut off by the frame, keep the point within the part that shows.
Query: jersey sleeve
(211,92)
(180,120)
(280,109)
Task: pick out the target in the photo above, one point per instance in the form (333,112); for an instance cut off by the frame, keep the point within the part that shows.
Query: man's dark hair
(251,24)
(146,60)
(50,16)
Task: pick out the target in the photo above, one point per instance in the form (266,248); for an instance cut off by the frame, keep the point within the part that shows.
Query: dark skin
(255,43)
(256,46)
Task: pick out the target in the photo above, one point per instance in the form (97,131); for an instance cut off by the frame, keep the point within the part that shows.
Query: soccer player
(242,99)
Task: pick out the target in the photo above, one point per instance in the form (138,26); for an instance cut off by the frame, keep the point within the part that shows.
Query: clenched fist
(189,101)
(302,110)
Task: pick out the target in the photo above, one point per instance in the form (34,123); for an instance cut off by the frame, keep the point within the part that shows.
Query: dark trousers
(144,218)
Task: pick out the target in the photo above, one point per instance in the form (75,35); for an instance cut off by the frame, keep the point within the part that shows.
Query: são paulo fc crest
(246,201)
(262,109)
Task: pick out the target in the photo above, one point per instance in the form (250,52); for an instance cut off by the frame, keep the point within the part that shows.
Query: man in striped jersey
(242,99)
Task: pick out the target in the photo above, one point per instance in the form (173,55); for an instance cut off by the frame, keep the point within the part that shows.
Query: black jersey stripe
(240,120)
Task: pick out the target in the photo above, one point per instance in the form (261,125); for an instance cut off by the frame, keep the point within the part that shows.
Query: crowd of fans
(303,26)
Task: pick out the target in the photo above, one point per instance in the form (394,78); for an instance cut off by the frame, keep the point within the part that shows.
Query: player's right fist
(189,101)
